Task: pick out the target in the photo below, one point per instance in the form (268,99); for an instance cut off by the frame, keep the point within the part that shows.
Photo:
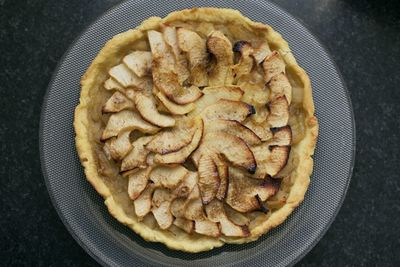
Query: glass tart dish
(198,129)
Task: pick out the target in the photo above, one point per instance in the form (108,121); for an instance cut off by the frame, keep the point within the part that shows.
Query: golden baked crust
(104,175)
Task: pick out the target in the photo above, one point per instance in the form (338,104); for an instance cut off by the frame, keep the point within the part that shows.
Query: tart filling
(197,130)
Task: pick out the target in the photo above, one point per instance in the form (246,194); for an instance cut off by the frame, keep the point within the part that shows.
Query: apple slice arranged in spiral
(195,48)
(148,110)
(216,213)
(164,74)
(221,48)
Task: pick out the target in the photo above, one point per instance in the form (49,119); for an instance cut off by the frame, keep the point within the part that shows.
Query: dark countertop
(364,40)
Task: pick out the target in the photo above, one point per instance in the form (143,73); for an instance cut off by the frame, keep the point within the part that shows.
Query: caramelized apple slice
(246,61)
(120,146)
(279,112)
(233,148)
(273,65)
(161,207)
(124,76)
(117,102)
(143,202)
(279,85)
(164,74)
(216,213)
(181,155)
(181,64)
(171,140)
(213,94)
(147,108)
(111,84)
(223,174)
(195,48)
(139,62)
(260,129)
(137,182)
(178,206)
(168,176)
(126,120)
(221,48)
(187,185)
(136,158)
(270,159)
(207,227)
(209,181)
(228,110)
(184,224)
(261,52)
(242,191)
(174,108)
(281,136)
(194,211)
(234,128)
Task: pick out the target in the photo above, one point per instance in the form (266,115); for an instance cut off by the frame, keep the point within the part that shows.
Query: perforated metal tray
(82,210)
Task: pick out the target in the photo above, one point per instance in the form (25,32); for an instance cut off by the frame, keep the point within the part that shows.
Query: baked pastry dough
(197,129)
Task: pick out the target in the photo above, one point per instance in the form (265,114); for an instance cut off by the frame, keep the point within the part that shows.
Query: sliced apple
(280,85)
(281,136)
(120,146)
(273,65)
(262,129)
(261,52)
(202,225)
(137,182)
(233,148)
(124,76)
(221,48)
(111,84)
(147,108)
(126,120)
(174,108)
(181,155)
(181,64)
(164,74)
(130,94)
(184,224)
(136,158)
(117,102)
(223,174)
(208,178)
(161,207)
(178,206)
(235,128)
(167,83)
(279,112)
(168,176)
(242,192)
(139,62)
(161,53)
(143,202)
(171,140)
(246,61)
(187,185)
(213,94)
(270,159)
(196,50)
(207,227)
(216,213)
(235,216)
(228,110)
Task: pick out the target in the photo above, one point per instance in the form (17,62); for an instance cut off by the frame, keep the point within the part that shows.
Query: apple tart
(197,129)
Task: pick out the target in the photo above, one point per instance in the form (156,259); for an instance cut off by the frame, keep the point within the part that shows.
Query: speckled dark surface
(364,40)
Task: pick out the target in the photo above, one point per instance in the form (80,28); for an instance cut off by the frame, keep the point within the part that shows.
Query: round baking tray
(82,210)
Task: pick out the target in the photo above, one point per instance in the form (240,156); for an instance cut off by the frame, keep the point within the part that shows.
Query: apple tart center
(218,104)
